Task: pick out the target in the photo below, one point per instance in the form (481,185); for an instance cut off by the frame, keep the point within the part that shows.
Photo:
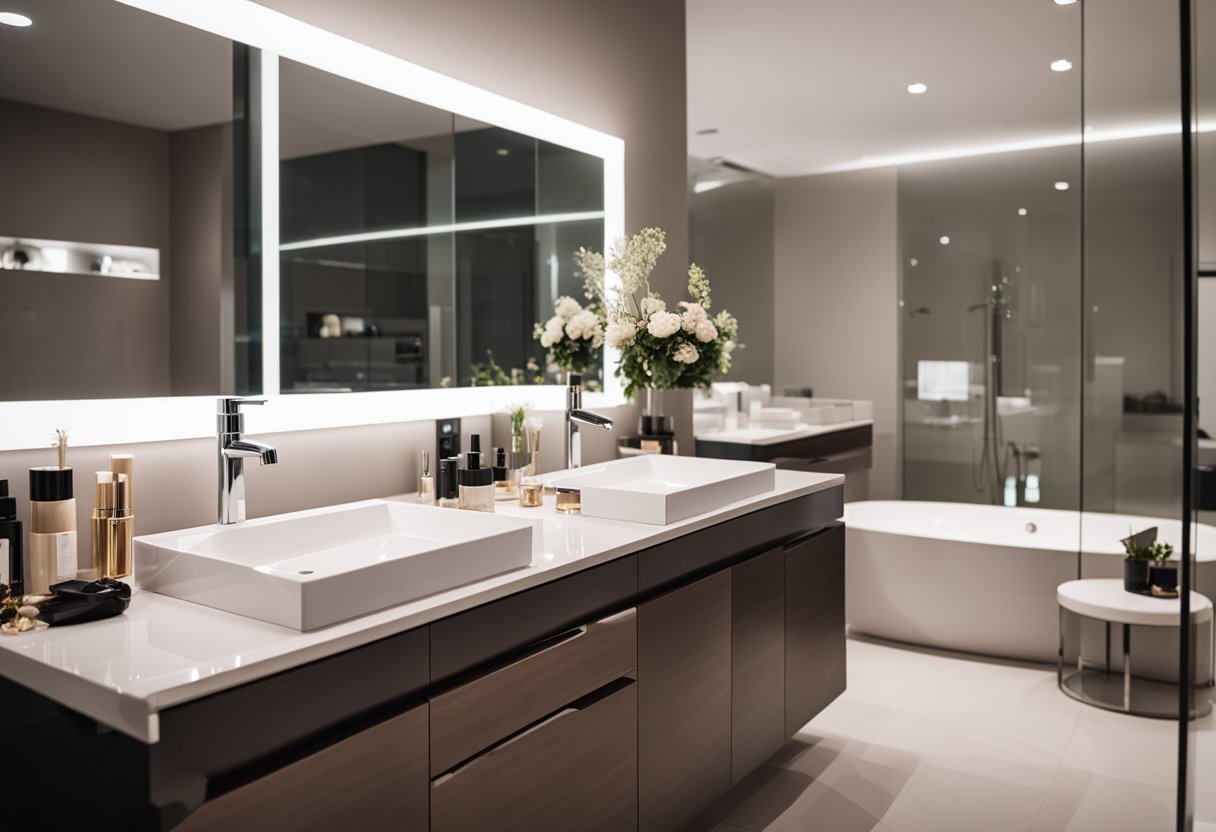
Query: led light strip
(1064,140)
(451,228)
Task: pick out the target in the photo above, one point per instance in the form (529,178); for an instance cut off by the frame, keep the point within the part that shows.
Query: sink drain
(305,571)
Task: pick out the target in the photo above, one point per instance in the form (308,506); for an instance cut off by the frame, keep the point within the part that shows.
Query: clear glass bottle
(476,482)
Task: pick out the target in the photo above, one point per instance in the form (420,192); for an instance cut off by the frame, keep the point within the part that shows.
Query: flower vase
(666,421)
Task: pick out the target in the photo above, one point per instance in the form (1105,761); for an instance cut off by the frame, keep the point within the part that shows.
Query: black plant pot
(1135,575)
(1164,578)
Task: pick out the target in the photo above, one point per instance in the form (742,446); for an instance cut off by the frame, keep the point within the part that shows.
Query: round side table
(1106,601)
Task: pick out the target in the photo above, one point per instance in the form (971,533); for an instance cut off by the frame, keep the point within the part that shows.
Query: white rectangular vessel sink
(313,568)
(662,489)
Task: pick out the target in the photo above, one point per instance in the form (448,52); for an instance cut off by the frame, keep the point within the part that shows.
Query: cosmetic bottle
(125,464)
(12,565)
(426,483)
(531,492)
(52,553)
(569,500)
(476,482)
(506,487)
(449,492)
(112,526)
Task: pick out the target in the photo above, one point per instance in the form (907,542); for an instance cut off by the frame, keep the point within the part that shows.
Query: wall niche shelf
(89,259)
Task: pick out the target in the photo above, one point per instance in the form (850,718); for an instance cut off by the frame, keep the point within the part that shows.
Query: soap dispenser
(476,482)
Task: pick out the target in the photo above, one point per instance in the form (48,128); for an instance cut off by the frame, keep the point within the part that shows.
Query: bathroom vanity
(624,680)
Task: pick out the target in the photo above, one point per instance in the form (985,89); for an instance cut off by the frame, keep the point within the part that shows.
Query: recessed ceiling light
(708,131)
(918,88)
(944,240)
(1061,186)
(1061,65)
(14,19)
(502,151)
(1022,212)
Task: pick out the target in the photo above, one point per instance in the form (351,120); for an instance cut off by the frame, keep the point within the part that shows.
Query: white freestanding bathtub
(983,578)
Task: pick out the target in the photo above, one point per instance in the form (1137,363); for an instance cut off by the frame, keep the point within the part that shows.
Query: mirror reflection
(120,273)
(418,247)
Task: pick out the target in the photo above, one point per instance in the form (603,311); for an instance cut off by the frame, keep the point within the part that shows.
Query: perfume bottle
(426,483)
(12,564)
(506,480)
(449,489)
(476,482)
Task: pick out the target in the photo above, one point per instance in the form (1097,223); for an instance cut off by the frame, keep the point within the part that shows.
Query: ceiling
(103,59)
(809,86)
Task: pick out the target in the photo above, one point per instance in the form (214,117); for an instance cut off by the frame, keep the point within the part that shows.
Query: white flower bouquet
(574,337)
(660,348)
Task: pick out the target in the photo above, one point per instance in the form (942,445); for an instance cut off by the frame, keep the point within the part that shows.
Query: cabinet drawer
(481,712)
(576,770)
(377,776)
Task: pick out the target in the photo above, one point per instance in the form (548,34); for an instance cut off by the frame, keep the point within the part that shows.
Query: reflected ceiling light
(913,262)
(708,185)
(1061,65)
(1065,2)
(918,88)
(447,228)
(1022,212)
(1061,186)
(502,151)
(944,240)
(14,19)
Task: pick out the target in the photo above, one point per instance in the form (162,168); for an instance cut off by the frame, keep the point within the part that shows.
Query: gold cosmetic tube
(112,526)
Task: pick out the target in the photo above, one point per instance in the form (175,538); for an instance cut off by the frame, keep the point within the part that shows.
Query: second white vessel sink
(313,568)
(662,489)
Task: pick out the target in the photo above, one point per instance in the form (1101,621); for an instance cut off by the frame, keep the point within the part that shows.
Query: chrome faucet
(232,453)
(576,415)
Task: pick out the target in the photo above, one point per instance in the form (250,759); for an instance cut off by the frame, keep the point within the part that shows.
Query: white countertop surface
(163,651)
(775,436)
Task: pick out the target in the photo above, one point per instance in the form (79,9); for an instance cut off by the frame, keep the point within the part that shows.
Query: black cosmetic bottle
(12,564)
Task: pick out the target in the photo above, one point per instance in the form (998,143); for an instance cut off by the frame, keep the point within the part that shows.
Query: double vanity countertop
(164,651)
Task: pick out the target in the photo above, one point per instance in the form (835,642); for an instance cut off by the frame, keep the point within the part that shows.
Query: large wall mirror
(120,271)
(206,197)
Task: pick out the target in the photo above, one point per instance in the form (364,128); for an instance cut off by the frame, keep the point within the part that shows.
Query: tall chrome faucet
(232,453)
(576,415)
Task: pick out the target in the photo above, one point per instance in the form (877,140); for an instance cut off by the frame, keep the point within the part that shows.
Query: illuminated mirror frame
(125,421)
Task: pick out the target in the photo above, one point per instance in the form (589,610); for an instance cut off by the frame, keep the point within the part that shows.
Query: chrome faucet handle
(228,416)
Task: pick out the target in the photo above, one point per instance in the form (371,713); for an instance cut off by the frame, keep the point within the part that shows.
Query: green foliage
(1156,553)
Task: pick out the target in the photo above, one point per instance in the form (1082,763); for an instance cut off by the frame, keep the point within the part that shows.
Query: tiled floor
(938,742)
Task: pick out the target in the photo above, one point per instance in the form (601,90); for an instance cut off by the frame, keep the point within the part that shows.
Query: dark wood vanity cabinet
(684,709)
(757,661)
(814,626)
(546,741)
(378,775)
(630,695)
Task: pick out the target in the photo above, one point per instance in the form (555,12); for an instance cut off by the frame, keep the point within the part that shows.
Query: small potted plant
(1144,565)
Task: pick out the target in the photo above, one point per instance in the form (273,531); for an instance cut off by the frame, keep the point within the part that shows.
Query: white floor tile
(1083,801)
(930,742)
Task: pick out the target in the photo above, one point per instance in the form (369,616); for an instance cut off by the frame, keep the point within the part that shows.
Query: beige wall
(616,67)
(836,295)
(75,178)
(731,236)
